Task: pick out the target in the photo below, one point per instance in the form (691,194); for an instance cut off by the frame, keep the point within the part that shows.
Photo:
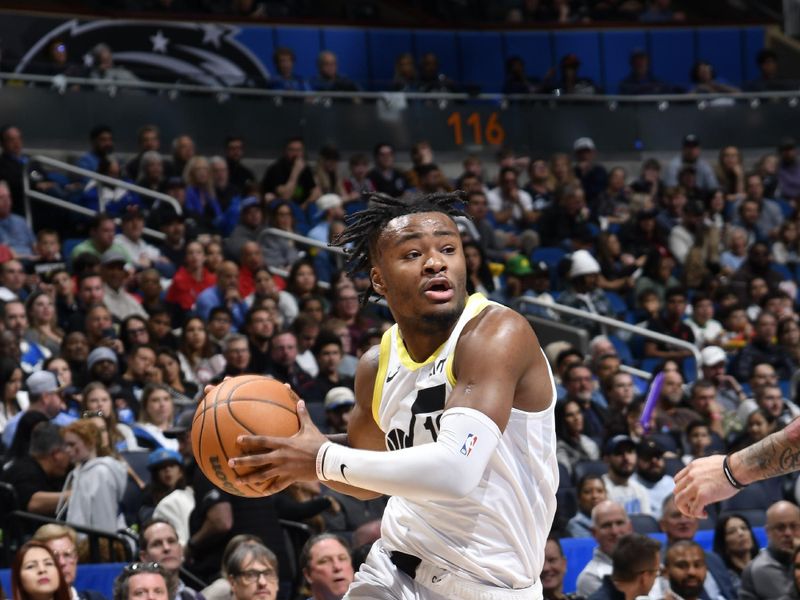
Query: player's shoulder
(496,319)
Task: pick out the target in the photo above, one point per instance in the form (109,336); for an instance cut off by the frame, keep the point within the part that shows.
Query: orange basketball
(248,404)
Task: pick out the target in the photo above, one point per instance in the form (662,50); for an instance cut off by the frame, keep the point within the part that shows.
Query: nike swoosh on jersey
(393,375)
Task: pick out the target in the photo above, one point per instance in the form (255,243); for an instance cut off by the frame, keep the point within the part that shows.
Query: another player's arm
(704,482)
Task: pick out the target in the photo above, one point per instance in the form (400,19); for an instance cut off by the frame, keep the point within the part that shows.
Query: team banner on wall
(165,51)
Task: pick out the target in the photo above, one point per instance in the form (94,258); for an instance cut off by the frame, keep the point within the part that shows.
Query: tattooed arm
(703,481)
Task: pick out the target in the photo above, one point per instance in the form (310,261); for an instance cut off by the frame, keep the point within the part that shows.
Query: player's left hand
(279,461)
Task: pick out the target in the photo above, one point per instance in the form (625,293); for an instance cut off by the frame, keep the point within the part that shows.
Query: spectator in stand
(358,183)
(96,484)
(239,175)
(579,387)
(329,208)
(421,157)
(657,274)
(479,275)
(148,139)
(619,391)
(730,173)
(283,361)
(789,169)
(101,238)
(729,391)
(328,78)
(249,228)
(685,569)
(705,81)
(227,195)
(591,492)
(259,329)
(286,79)
(252,572)
(121,303)
(384,176)
(338,403)
(103,69)
(44,394)
(431,79)
(573,445)
(510,205)
(680,528)
(62,541)
(190,279)
(641,81)
(224,293)
(768,79)
(786,250)
(554,570)
(279,252)
(660,11)
(11,380)
(736,544)
(142,580)
(158,543)
(671,323)
(566,223)
(42,326)
(236,357)
(690,156)
(327,566)
(302,281)
(38,476)
(202,203)
(182,153)
(770,573)
(756,265)
(651,474)
(620,454)
(290,178)
(568,81)
(613,205)
(763,349)
(12,278)
(635,568)
(517,81)
(199,361)
(13,163)
(157,414)
(15,233)
(481,229)
(707,330)
(405,74)
(770,214)
(151,172)
(328,353)
(142,254)
(35,574)
(102,142)
(609,524)
(593,176)
(583,292)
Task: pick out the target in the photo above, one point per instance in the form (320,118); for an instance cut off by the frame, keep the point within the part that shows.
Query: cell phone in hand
(110,333)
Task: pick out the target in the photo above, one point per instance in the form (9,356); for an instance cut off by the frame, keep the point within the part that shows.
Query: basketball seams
(264,400)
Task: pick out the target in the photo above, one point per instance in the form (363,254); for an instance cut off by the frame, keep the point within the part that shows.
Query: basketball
(244,405)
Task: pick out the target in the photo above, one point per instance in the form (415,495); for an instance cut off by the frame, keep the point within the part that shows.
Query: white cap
(583,143)
(339,396)
(712,355)
(583,263)
(327,201)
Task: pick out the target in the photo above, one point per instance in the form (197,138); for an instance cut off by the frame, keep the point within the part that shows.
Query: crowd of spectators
(109,339)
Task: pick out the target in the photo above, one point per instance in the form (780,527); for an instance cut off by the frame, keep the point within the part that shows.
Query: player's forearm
(351,490)
(777,454)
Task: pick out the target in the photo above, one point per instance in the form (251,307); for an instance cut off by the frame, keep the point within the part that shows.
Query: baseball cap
(649,449)
(327,201)
(161,457)
(616,443)
(540,269)
(113,256)
(248,202)
(131,214)
(583,143)
(98,354)
(42,382)
(691,140)
(518,265)
(338,397)
(583,263)
(182,425)
(712,355)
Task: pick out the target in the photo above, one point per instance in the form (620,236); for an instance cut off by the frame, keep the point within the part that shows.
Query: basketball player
(461,393)
(714,478)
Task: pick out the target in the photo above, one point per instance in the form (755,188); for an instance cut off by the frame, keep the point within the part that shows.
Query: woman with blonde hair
(95,398)
(43,327)
(201,199)
(96,483)
(156,415)
(730,173)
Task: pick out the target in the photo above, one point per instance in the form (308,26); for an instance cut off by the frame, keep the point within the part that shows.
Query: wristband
(726,468)
(320,465)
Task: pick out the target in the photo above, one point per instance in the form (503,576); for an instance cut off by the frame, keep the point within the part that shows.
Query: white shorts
(380,579)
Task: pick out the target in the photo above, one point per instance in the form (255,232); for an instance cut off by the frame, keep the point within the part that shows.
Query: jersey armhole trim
(383,365)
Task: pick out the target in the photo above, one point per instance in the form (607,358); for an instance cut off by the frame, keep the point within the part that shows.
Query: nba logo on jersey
(469,444)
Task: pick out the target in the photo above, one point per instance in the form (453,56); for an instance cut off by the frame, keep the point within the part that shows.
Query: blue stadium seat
(566,504)
(649,364)
(758,495)
(482,60)
(722,47)
(68,245)
(753,42)
(443,45)
(757,517)
(586,467)
(617,48)
(690,368)
(535,48)
(623,351)
(586,45)
(350,47)
(786,388)
(383,48)
(786,208)
(551,255)
(785,272)
(564,479)
(305,43)
(618,305)
(262,46)
(644,524)
(672,54)
(672,466)
(667,441)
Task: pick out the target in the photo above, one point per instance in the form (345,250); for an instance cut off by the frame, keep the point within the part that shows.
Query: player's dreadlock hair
(365,227)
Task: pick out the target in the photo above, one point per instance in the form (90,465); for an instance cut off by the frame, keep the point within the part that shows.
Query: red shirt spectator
(191,278)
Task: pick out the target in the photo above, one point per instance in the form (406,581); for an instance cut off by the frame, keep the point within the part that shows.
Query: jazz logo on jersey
(469,444)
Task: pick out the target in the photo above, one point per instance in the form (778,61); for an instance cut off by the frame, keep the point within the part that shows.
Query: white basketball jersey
(496,534)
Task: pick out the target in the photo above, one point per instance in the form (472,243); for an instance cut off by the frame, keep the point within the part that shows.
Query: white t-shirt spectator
(498,204)
(632,496)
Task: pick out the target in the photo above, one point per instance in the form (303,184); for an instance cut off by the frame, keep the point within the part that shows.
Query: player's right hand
(701,483)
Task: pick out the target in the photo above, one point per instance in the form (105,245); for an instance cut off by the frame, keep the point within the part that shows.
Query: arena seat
(623,351)
(262,46)
(137,459)
(785,207)
(443,44)
(753,42)
(584,44)
(644,524)
(617,48)
(566,504)
(305,43)
(784,271)
(534,47)
(722,47)
(482,59)
(666,440)
(350,48)
(564,478)
(587,467)
(672,54)
(756,496)
(618,305)
(383,47)
(757,517)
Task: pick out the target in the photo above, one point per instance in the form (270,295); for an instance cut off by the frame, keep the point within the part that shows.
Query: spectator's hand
(335,508)
(232,296)
(280,462)
(114,344)
(298,165)
(626,259)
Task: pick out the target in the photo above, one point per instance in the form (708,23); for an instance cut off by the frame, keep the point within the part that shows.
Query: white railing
(296,237)
(617,324)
